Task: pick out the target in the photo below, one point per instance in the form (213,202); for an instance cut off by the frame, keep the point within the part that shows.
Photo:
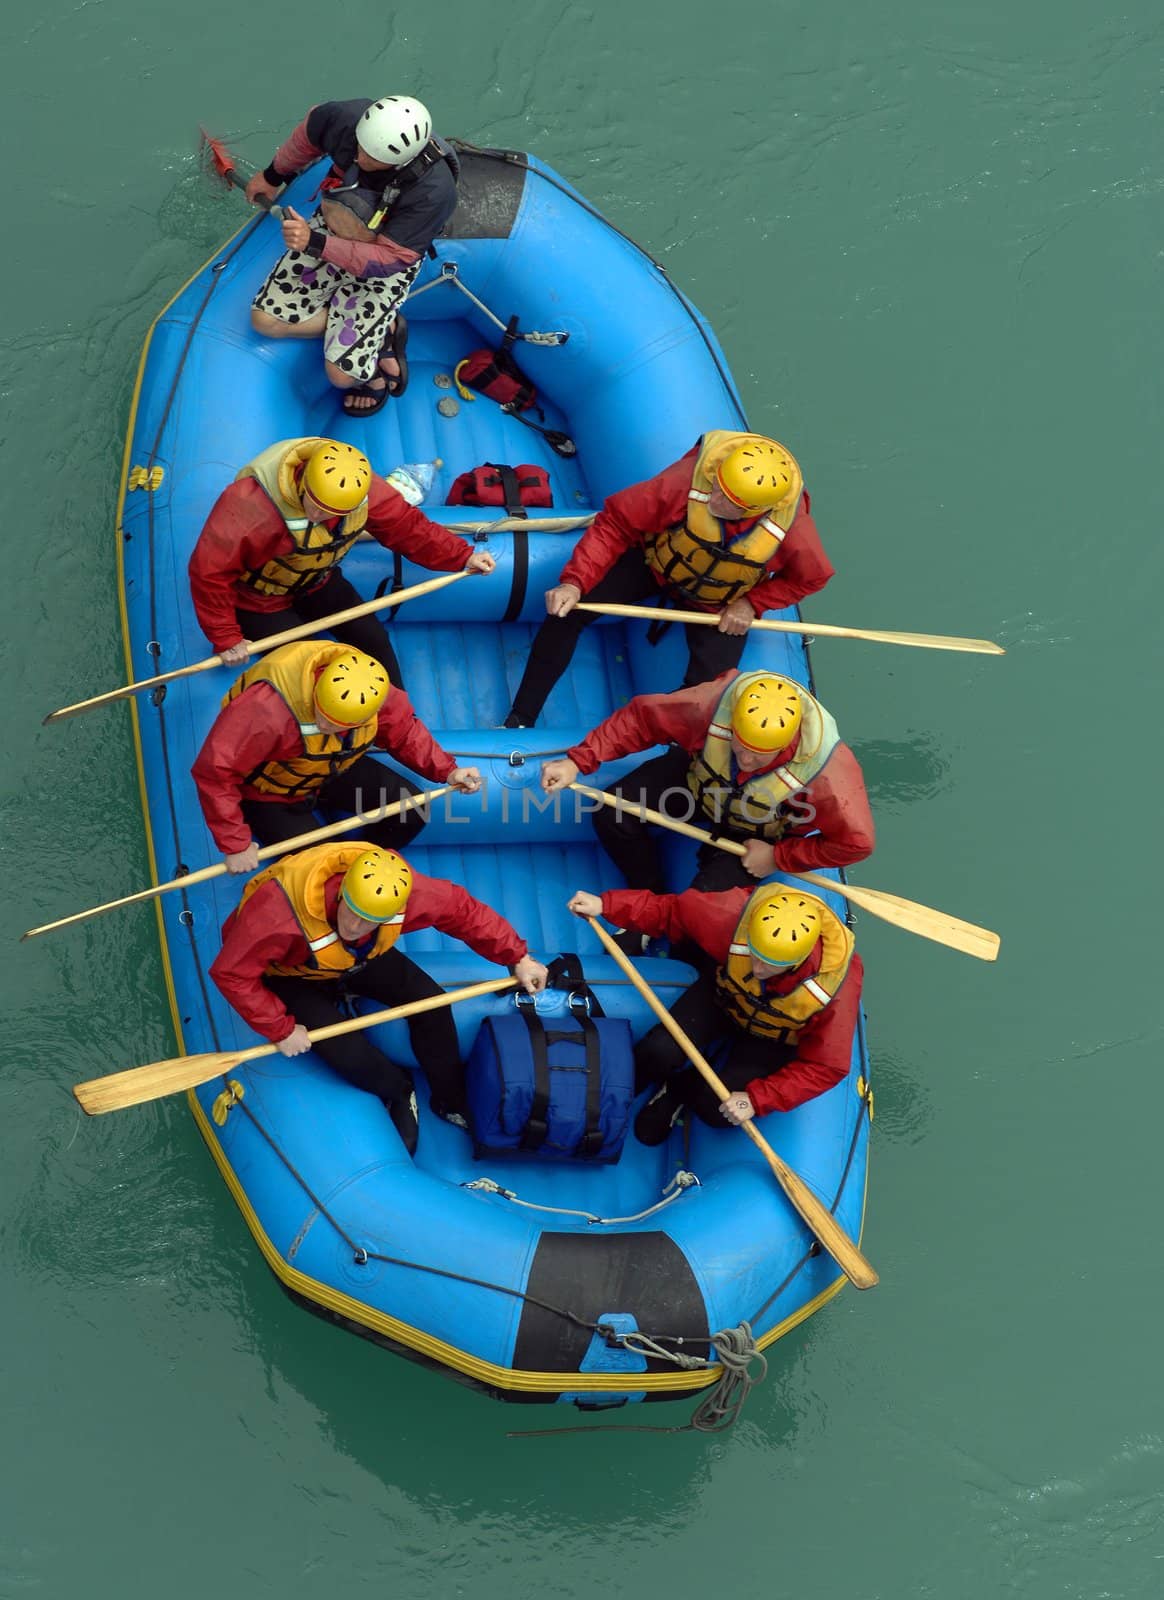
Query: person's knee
(657,1056)
(616,826)
(270,327)
(720,872)
(367,1068)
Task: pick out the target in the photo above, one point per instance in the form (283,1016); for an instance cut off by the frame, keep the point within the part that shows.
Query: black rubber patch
(645,1274)
(489,194)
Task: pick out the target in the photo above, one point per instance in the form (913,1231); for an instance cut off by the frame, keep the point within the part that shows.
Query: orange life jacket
(754,808)
(291,670)
(780,1017)
(317,547)
(303,879)
(709,559)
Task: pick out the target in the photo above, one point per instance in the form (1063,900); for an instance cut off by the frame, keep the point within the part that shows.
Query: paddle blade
(152,1082)
(220,161)
(929,641)
(938,926)
(87,705)
(861,1273)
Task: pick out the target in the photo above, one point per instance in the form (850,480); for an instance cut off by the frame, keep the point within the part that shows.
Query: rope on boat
(744,1366)
(679,1183)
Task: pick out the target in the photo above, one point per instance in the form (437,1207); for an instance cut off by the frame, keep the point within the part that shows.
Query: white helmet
(394,129)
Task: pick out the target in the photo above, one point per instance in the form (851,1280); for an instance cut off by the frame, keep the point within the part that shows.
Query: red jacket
(244,531)
(258,727)
(825,1046)
(798,567)
(837,794)
(264,932)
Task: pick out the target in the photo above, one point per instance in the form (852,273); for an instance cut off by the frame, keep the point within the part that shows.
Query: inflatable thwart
(592,1281)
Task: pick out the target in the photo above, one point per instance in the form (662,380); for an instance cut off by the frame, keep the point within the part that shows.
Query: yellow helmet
(757,475)
(377,884)
(337,476)
(351,689)
(783,929)
(767,714)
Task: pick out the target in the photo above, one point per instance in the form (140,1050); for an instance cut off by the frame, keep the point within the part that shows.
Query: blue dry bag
(558,1087)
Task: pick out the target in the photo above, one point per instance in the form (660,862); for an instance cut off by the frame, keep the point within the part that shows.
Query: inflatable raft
(521,1278)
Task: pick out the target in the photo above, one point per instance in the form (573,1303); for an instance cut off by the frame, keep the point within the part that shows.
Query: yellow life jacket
(709,559)
(291,670)
(780,1017)
(303,879)
(752,808)
(316,547)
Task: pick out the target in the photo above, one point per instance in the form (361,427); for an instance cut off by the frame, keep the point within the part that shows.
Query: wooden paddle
(120,1089)
(224,166)
(822,630)
(817,1215)
(909,915)
(301,841)
(306,630)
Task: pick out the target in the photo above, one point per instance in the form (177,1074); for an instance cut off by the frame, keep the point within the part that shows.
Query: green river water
(929,238)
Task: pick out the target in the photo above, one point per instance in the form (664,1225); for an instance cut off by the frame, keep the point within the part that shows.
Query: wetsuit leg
(270,821)
(262,624)
(352,1055)
(659,1058)
(711,652)
(365,786)
(720,870)
(748,1057)
(394,980)
(632,844)
(365,633)
(628,582)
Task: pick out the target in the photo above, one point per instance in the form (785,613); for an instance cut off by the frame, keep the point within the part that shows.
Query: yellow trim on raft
(449,1355)
(123,610)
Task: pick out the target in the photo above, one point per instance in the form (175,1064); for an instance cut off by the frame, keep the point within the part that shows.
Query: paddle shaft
(414,1008)
(139,1084)
(263,201)
(204,874)
(818,1217)
(822,630)
(909,915)
(617,802)
(305,630)
(516,525)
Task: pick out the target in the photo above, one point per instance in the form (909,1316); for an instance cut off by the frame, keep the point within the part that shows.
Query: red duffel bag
(496,485)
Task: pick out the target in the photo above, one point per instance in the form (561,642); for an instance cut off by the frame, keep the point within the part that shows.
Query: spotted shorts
(359,310)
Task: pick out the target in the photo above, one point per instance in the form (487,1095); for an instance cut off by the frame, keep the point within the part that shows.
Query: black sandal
(377,397)
(397,345)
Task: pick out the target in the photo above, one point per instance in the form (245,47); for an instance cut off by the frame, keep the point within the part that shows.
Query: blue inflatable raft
(515,1276)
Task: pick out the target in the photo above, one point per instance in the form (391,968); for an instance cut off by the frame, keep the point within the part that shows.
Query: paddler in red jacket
(784,993)
(726,529)
(268,557)
(752,757)
(295,733)
(320,925)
